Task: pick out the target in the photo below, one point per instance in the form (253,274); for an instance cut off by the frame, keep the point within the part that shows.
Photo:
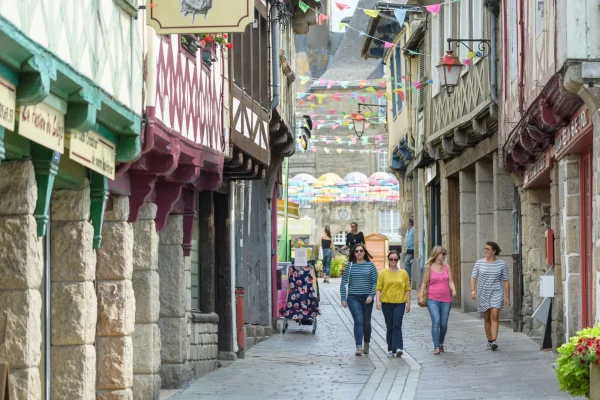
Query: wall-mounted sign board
(8,99)
(44,125)
(94,151)
(199,16)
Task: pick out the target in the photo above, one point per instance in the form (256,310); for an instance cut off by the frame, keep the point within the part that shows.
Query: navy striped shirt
(363,279)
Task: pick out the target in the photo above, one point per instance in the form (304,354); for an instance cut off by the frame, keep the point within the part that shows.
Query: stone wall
(174,297)
(535,219)
(558,311)
(21,269)
(73,297)
(116,303)
(256,334)
(203,343)
(146,336)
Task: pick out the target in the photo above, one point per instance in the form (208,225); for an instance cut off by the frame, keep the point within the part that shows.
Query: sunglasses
(392,259)
(359,251)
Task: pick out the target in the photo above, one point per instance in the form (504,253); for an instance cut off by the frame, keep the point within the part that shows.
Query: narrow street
(298,365)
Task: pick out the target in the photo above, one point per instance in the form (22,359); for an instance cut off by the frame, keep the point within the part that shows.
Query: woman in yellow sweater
(393,296)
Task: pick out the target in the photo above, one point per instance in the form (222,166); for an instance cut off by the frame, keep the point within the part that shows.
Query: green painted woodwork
(128,7)
(45,165)
(70,174)
(39,73)
(34,84)
(98,197)
(17,147)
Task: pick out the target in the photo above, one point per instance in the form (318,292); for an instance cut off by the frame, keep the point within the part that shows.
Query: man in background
(409,247)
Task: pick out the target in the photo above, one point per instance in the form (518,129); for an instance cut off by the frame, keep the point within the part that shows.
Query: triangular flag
(312,106)
(362,34)
(313,149)
(400,16)
(330,84)
(434,8)
(353,140)
(311,96)
(371,13)
(429,81)
(301,102)
(367,125)
(323,82)
(379,94)
(383,84)
(468,62)
(471,54)
(322,17)
(362,99)
(331,112)
(388,96)
(363,83)
(387,45)
(342,25)
(380,137)
(364,139)
(342,6)
(335,126)
(414,53)
(338,139)
(303,6)
(350,127)
(345,84)
(371,89)
(321,97)
(349,142)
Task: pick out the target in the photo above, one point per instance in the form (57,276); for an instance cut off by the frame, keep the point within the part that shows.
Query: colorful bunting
(342,25)
(400,15)
(342,6)
(434,8)
(303,6)
(371,13)
(471,54)
(322,17)
(387,45)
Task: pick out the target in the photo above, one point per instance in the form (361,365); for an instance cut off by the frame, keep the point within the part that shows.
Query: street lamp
(449,70)
(359,123)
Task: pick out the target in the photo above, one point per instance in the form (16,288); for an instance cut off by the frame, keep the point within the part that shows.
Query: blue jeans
(408,266)
(327,256)
(439,312)
(361,314)
(393,314)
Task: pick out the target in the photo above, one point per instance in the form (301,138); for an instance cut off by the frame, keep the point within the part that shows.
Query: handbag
(424,292)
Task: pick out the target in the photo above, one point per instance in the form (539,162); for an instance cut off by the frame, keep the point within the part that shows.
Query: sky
(337,15)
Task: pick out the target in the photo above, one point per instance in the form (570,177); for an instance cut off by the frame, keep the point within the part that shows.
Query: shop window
(389,224)
(339,239)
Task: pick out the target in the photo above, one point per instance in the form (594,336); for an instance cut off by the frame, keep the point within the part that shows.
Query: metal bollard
(239,320)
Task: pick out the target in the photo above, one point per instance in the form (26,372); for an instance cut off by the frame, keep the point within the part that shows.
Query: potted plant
(578,365)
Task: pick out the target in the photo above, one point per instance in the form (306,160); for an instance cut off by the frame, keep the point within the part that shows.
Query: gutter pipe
(275,45)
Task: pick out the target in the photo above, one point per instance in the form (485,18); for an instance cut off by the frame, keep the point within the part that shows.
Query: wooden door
(587,279)
(454,235)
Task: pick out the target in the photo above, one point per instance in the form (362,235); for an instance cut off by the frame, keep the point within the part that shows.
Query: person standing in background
(327,249)
(409,247)
(354,237)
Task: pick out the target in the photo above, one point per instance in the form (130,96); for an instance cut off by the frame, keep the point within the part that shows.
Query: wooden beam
(206,251)
(223,289)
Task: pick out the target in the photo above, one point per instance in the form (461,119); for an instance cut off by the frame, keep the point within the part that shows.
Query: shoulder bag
(424,292)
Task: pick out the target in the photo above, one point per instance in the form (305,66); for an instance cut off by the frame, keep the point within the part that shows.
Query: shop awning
(293,209)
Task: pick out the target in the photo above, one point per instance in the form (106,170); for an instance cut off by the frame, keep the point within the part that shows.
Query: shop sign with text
(199,16)
(94,151)
(44,125)
(537,169)
(573,131)
(8,101)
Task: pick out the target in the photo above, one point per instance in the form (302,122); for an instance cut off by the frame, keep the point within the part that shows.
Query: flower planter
(594,382)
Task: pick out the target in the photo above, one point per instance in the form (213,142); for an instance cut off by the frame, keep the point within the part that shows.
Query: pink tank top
(439,286)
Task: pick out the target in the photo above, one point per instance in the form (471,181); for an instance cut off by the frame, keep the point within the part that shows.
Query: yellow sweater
(394,286)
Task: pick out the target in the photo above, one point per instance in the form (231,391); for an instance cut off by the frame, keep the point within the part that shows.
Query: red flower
(208,38)
(203,43)
(596,361)
(224,36)
(229,45)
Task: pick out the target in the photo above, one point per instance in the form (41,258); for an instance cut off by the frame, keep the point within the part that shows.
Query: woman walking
(438,283)
(360,275)
(327,249)
(493,290)
(393,296)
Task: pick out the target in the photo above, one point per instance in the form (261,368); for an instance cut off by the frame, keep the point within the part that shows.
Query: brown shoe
(366,348)
(441,348)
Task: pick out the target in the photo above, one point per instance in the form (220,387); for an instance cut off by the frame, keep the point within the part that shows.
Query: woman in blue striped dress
(360,275)
(493,290)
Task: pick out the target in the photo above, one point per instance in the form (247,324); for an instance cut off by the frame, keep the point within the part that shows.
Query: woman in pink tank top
(440,286)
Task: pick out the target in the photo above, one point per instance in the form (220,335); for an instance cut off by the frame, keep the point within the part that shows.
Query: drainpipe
(493,77)
(275,56)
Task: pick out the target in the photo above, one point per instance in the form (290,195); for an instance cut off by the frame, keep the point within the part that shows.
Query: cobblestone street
(298,365)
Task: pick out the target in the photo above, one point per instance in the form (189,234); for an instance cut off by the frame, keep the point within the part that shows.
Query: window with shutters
(398,78)
(250,58)
(422,78)
(389,224)
(436,52)
(382,162)
(339,239)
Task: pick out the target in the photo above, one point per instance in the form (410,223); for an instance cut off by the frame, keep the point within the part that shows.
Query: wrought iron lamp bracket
(512,124)
(483,45)
(370,105)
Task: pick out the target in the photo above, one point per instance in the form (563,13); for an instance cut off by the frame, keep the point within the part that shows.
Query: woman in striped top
(360,275)
(493,290)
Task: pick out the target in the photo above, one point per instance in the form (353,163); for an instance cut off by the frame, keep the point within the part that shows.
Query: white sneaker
(494,346)
(390,353)
(399,352)
(488,346)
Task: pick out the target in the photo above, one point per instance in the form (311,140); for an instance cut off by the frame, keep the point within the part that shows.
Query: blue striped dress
(362,277)
(490,292)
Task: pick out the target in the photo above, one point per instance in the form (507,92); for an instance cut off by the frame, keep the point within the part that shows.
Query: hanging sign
(538,174)
(93,151)
(8,98)
(43,124)
(199,16)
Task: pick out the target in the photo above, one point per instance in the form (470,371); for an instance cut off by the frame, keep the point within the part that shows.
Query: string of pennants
(328,150)
(378,140)
(400,15)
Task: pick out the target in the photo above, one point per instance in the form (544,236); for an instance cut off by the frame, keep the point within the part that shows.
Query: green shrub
(337,266)
(573,363)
